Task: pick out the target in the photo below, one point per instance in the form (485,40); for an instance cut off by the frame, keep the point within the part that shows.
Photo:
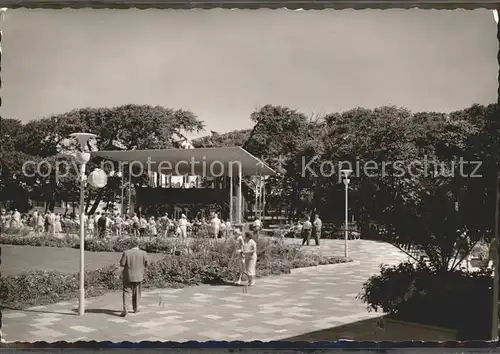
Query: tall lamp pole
(82,157)
(345,174)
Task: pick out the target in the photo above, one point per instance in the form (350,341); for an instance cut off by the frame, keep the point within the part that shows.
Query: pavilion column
(240,199)
(231,218)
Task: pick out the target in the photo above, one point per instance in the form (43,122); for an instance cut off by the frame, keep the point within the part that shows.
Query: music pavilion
(224,169)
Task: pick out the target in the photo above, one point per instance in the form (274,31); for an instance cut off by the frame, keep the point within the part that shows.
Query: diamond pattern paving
(277,307)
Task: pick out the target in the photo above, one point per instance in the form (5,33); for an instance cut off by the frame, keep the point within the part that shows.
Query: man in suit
(306,231)
(134,261)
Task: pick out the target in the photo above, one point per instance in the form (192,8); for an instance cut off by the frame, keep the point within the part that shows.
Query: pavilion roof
(208,162)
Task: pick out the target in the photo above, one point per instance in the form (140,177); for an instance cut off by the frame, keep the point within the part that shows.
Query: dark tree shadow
(223,283)
(36,311)
(102,311)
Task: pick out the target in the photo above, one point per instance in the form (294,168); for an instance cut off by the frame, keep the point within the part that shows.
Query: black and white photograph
(241,175)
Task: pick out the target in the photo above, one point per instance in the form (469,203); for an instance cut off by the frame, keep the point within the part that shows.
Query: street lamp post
(345,174)
(83,157)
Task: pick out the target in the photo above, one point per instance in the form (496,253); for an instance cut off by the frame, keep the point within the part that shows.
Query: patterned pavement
(278,307)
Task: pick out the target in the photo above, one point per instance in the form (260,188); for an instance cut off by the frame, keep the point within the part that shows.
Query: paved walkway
(277,307)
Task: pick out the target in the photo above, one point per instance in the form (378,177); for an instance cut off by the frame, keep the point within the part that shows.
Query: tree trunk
(87,203)
(97,201)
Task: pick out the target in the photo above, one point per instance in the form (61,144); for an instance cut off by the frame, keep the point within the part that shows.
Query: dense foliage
(455,299)
(203,262)
(123,127)
(424,179)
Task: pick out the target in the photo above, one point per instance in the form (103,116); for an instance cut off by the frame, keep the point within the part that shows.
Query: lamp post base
(81,304)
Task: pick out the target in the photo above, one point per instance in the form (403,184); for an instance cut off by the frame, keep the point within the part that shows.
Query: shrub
(204,262)
(453,299)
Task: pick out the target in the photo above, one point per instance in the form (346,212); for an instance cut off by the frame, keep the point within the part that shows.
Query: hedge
(153,245)
(206,262)
(453,299)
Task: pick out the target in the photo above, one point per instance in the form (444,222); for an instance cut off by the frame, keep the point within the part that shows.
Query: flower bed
(203,262)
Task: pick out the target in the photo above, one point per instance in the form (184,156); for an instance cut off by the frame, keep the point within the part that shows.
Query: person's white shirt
(257,223)
(118,220)
(183,222)
(215,221)
(307,225)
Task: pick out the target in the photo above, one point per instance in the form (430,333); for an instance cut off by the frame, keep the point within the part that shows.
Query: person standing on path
(90,226)
(250,254)
(34,220)
(240,244)
(134,262)
(51,218)
(143,226)
(101,226)
(118,225)
(215,222)
(165,223)
(57,224)
(40,224)
(256,227)
(135,225)
(152,227)
(306,231)
(16,217)
(183,224)
(316,231)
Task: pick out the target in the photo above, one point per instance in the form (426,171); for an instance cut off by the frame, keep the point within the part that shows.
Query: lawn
(22,259)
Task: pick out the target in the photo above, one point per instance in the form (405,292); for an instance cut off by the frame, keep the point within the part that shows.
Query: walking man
(306,231)
(134,261)
(316,232)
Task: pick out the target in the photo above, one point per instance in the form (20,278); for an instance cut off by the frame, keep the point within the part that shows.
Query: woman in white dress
(183,224)
(250,254)
(152,227)
(57,224)
(240,244)
(40,223)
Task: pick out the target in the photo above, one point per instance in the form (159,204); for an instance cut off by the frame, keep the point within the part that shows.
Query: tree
(124,127)
(280,137)
(10,131)
(229,139)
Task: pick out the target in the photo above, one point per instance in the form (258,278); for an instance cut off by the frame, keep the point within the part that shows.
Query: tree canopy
(427,178)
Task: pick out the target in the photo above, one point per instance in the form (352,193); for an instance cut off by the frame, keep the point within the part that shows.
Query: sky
(224,64)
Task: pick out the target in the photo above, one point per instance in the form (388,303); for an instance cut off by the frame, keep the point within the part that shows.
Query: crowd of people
(106,224)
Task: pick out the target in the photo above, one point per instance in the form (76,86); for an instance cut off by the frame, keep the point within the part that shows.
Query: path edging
(336,265)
